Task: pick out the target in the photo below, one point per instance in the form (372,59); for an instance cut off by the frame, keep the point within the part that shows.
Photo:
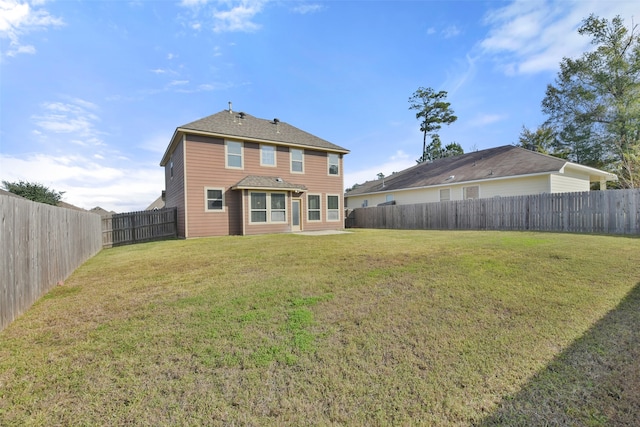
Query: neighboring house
(234,174)
(501,171)
(102,212)
(156,204)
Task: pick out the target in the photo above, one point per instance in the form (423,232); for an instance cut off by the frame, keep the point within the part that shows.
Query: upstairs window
(334,164)
(234,154)
(297,160)
(267,155)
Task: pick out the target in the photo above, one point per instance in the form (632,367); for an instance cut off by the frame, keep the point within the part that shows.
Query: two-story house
(234,174)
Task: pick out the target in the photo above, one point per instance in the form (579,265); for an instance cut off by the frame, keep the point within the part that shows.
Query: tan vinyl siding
(206,169)
(175,186)
(503,188)
(569,183)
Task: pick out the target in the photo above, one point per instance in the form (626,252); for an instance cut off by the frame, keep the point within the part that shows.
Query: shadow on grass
(594,382)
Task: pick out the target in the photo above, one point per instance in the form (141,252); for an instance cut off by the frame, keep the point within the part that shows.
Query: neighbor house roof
(243,126)
(254,182)
(493,163)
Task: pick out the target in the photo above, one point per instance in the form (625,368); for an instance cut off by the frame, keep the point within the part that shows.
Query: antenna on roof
(230,109)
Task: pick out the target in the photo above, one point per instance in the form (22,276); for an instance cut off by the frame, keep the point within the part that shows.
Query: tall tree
(433,111)
(435,150)
(594,104)
(542,140)
(33,191)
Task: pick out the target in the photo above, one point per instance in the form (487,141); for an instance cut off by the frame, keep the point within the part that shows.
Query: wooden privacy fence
(137,227)
(40,246)
(606,212)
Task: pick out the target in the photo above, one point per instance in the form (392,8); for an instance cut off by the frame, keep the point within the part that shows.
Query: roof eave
(258,140)
(170,148)
(450,183)
(593,172)
(255,187)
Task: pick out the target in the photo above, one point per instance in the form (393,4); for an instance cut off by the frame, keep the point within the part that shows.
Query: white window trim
(206,200)
(319,208)
(268,208)
(291,150)
(226,155)
(337,210)
(329,164)
(275,156)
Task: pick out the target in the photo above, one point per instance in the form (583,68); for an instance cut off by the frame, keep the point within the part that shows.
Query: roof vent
(276,120)
(242,114)
(230,109)
(279,180)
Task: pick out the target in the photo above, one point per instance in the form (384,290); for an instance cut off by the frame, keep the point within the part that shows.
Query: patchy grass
(373,327)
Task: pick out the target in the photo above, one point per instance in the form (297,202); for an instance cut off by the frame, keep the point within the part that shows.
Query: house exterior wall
(174,185)
(516,186)
(570,182)
(205,160)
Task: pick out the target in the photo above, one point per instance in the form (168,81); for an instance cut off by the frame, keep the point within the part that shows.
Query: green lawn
(375,327)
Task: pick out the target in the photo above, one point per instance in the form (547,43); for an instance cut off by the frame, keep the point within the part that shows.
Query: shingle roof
(499,162)
(243,125)
(254,182)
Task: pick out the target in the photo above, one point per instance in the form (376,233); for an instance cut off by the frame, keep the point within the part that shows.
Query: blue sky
(92,91)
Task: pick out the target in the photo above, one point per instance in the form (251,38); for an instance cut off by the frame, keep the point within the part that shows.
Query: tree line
(592,108)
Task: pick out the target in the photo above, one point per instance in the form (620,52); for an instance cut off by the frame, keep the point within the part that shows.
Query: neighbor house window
(267,155)
(334,164)
(333,208)
(258,207)
(171,169)
(313,207)
(471,192)
(214,200)
(389,198)
(268,207)
(234,154)
(365,203)
(297,160)
(445,195)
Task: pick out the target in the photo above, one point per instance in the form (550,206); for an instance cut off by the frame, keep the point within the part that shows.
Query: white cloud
(396,163)
(528,37)
(464,72)
(238,18)
(87,182)
(19,18)
(228,16)
(308,8)
(450,31)
(487,119)
(74,116)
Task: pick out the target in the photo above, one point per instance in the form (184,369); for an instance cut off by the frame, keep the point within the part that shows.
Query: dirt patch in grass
(370,327)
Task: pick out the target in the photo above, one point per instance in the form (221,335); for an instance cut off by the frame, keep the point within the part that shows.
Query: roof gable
(228,123)
(499,162)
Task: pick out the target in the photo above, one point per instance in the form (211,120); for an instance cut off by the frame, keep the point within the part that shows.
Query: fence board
(137,227)
(605,212)
(40,245)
